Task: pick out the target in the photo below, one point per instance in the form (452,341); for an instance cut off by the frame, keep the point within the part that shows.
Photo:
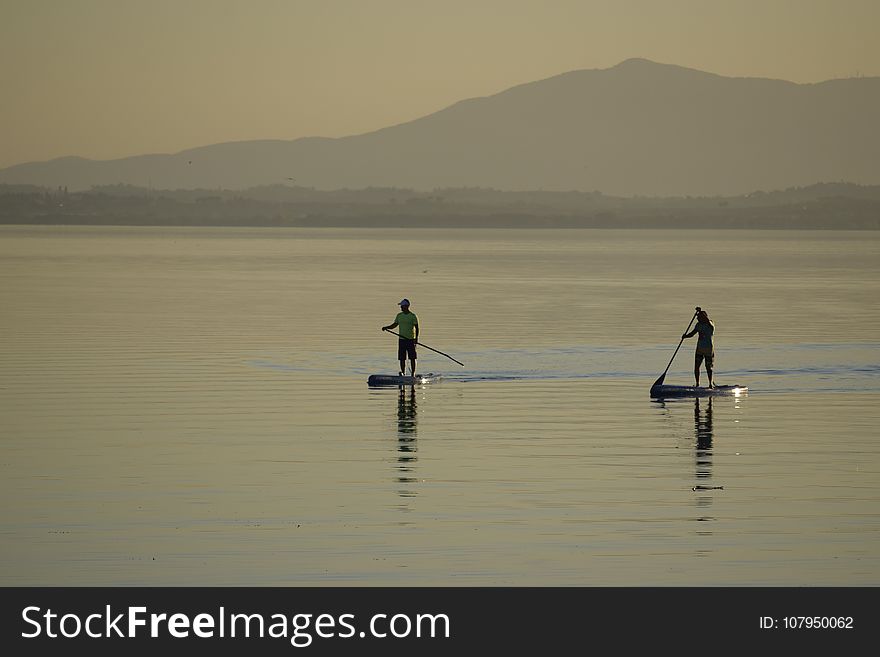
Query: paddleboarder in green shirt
(409,335)
(705,346)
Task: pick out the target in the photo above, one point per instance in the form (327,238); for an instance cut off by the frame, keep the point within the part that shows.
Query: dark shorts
(406,349)
(700,354)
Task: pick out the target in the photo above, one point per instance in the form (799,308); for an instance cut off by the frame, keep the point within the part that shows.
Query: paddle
(659,382)
(426,347)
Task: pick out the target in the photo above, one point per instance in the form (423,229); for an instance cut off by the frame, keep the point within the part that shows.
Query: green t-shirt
(406,323)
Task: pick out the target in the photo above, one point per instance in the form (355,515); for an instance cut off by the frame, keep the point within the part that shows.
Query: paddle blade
(659,382)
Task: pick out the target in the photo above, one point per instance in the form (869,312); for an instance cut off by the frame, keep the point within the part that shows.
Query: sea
(189,407)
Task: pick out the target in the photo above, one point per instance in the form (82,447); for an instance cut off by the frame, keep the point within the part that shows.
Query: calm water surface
(189,407)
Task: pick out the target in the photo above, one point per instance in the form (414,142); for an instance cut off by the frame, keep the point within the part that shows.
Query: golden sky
(110,78)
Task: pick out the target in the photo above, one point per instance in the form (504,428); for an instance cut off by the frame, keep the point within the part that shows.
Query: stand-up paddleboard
(662,391)
(397,380)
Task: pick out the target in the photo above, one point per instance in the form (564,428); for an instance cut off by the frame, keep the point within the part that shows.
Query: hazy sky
(111,78)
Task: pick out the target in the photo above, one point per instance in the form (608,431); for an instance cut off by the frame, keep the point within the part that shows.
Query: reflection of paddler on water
(406,437)
(703,424)
(406,410)
(703,453)
(702,431)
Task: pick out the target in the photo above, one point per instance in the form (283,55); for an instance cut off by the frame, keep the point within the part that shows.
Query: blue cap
(403,302)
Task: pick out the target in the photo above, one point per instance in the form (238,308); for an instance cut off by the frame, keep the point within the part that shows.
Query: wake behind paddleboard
(397,380)
(661,391)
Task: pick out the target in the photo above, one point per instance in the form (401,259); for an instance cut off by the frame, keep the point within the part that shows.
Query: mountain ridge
(637,128)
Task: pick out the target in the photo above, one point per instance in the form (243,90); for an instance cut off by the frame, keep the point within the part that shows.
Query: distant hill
(638,128)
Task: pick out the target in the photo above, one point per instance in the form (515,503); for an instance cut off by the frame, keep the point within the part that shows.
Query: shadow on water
(406,440)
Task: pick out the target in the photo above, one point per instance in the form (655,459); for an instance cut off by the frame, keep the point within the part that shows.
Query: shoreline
(466,222)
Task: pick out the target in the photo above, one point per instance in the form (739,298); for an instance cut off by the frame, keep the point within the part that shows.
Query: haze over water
(189,407)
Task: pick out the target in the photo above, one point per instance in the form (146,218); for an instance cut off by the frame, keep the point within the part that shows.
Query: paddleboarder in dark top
(705,346)
(409,335)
